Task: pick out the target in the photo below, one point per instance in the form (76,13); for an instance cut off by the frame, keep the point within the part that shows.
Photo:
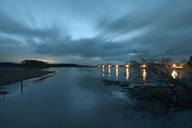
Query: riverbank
(9,76)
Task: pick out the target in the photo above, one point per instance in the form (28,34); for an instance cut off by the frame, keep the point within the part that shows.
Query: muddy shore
(9,76)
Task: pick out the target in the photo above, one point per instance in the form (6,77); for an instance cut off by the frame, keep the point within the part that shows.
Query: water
(76,97)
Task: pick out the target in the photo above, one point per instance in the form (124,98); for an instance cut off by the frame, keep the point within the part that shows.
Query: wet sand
(9,76)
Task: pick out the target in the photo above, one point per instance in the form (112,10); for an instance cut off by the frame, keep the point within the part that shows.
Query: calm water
(77,98)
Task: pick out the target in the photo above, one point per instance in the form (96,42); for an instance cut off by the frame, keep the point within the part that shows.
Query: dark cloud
(163,28)
(171,15)
(106,31)
(87,48)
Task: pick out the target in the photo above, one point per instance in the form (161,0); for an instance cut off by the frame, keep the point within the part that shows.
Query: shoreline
(9,76)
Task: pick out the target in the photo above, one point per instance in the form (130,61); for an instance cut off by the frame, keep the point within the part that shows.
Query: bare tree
(167,89)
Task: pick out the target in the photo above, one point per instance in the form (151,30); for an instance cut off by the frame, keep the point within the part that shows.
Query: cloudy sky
(93,31)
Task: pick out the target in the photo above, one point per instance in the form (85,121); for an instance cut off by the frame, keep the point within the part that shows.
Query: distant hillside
(10,64)
(68,65)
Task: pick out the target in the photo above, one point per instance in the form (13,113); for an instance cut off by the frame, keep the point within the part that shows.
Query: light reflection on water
(118,73)
(109,72)
(122,73)
(174,74)
(127,73)
(144,74)
(75,98)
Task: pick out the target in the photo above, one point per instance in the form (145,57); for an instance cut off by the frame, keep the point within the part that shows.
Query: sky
(93,31)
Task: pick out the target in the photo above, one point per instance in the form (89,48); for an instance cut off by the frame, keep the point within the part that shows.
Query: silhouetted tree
(178,89)
(34,64)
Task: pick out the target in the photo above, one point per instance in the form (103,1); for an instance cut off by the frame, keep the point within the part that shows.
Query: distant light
(126,65)
(144,66)
(109,66)
(116,66)
(174,65)
(103,66)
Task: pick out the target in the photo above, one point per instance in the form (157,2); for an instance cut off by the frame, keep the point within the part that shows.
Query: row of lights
(142,66)
(109,66)
(175,66)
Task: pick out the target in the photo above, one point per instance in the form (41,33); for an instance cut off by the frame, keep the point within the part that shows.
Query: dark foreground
(8,75)
(78,98)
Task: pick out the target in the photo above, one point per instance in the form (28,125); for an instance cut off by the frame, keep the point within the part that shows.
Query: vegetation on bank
(26,64)
(13,72)
(159,87)
(34,64)
(38,64)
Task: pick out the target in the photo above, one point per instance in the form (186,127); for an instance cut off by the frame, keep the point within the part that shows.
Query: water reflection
(174,74)
(21,87)
(127,73)
(3,93)
(144,74)
(103,71)
(117,72)
(109,71)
